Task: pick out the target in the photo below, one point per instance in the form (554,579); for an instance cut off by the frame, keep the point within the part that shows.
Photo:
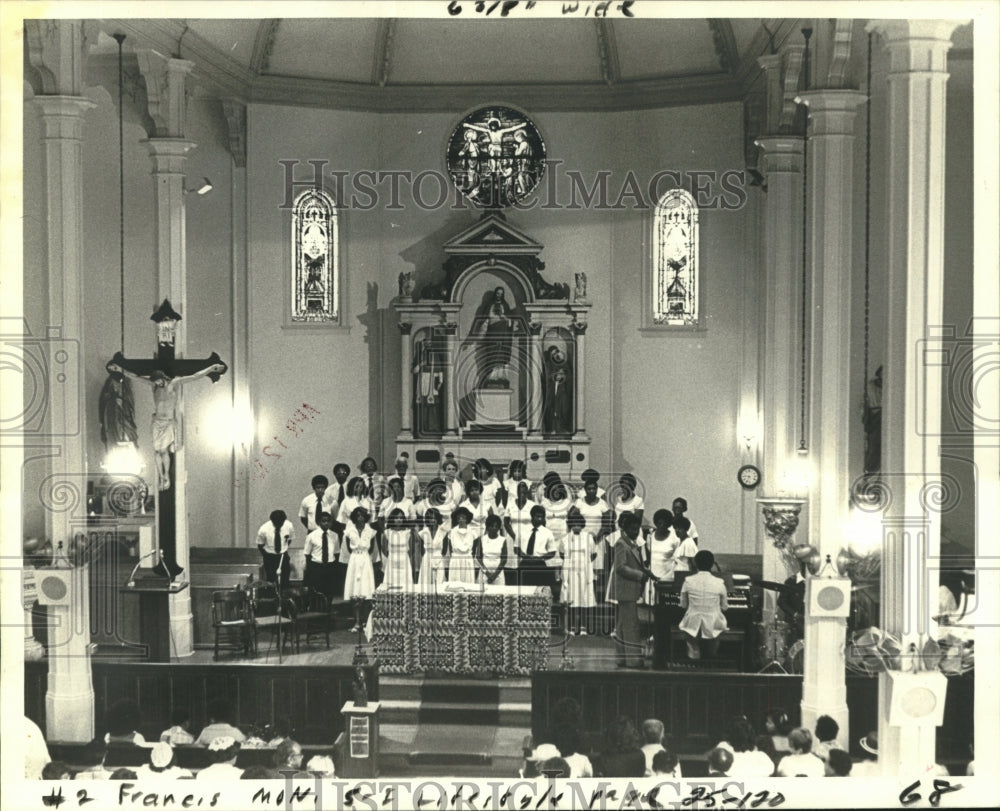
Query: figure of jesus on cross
(167,435)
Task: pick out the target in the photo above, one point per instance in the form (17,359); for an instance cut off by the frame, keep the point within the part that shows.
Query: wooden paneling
(311,696)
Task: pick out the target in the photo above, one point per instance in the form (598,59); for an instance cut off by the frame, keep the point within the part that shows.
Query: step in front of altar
(459,701)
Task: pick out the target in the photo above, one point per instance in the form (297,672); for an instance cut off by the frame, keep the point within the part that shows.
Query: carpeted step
(517,714)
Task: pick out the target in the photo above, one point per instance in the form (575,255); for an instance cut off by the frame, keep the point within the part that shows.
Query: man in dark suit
(630,575)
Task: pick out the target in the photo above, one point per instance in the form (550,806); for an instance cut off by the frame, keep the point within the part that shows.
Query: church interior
(734,270)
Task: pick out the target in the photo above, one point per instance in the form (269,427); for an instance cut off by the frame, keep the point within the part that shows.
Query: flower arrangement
(874,651)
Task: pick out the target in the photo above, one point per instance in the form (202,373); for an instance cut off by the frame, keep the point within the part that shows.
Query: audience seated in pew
(220,714)
(224,751)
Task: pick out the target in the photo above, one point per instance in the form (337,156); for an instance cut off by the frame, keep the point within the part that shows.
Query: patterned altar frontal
(499,629)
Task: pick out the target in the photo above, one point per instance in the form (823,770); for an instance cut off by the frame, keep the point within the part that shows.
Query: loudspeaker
(53,586)
(828,596)
(917,698)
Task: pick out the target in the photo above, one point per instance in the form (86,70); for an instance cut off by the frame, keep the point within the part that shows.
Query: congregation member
(220,716)
(161,765)
(489,551)
(628,579)
(620,754)
(704,599)
(801,762)
(826,737)
(458,547)
(223,750)
(652,741)
(748,760)
(577,548)
(36,750)
(411,484)
(534,552)
(179,733)
(122,719)
(287,757)
(321,550)
(274,539)
(720,761)
(666,764)
(777,725)
(839,764)
(90,761)
(433,563)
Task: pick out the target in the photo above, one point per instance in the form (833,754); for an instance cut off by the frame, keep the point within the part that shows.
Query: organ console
(668,613)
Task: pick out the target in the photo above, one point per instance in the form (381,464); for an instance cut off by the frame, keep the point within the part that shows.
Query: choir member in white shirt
(516,472)
(449,475)
(320,552)
(627,499)
(483,471)
(591,475)
(678,508)
(274,539)
(478,506)
(397,500)
(535,551)
(314,503)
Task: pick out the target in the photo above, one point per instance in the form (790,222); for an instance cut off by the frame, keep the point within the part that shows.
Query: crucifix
(166,374)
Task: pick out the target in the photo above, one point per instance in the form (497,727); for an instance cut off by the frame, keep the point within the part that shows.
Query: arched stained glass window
(315,265)
(675,260)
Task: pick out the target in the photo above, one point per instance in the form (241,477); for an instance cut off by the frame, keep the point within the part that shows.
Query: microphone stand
(131,578)
(277,588)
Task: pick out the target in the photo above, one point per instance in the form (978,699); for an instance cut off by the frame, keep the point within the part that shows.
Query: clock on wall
(748,476)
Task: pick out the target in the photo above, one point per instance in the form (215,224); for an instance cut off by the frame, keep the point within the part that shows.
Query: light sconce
(201,189)
(748,431)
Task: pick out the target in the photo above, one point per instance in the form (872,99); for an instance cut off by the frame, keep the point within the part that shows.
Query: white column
(831,171)
(580,419)
(781,163)
(450,420)
(406,370)
(535,389)
(912,389)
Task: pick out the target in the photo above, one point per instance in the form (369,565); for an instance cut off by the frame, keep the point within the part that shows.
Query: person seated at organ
(458,547)
(704,599)
(477,506)
(489,551)
(627,498)
(438,497)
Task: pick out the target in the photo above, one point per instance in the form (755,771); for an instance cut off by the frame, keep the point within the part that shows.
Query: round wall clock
(496,156)
(748,476)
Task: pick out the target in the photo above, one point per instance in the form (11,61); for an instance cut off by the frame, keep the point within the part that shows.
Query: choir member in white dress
(398,549)
(438,497)
(577,550)
(433,564)
(478,506)
(627,498)
(458,548)
(490,553)
(360,582)
(592,507)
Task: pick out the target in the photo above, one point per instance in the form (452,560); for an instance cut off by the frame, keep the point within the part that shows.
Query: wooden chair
(231,620)
(312,612)
(265,614)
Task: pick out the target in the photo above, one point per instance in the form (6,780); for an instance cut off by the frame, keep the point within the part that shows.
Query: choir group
(487,525)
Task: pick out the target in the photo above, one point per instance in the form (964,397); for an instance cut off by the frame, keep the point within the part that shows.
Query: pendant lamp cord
(121,191)
(806,33)
(868,217)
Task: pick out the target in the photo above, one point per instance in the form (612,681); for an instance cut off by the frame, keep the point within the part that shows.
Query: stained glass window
(675,260)
(315,266)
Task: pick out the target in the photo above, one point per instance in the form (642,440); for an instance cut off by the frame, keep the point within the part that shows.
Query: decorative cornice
(764,43)
(579,327)
(57,50)
(166,101)
(263,45)
(383,52)
(724,41)
(535,327)
(790,86)
(236,124)
(607,49)
(405,327)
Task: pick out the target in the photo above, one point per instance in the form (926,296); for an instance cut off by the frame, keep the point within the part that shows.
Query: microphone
(131,577)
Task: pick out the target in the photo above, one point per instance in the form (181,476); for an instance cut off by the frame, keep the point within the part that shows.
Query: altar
(479,629)
(493,358)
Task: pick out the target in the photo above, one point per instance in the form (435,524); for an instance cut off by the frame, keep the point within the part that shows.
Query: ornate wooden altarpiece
(493,358)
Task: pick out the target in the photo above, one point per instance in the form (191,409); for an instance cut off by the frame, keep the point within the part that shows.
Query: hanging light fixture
(117,404)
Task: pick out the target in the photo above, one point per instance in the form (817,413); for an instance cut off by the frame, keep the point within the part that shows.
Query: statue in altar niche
(496,328)
(557,405)
(428,370)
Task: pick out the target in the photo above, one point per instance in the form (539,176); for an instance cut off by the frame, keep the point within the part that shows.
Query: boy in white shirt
(274,539)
